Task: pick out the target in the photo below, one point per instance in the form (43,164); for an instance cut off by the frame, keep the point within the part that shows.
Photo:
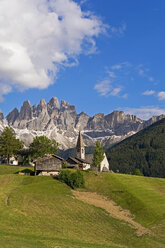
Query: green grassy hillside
(41,212)
(144,151)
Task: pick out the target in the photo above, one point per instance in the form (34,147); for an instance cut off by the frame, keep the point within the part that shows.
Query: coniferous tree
(42,146)
(9,144)
(98,155)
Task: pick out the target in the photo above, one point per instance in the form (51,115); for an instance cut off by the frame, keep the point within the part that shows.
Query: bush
(137,172)
(72,179)
(64,165)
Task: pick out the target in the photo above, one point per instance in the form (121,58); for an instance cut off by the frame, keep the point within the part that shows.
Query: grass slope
(41,212)
(144,151)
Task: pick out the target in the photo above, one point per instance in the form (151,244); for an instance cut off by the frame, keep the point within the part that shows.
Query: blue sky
(107,55)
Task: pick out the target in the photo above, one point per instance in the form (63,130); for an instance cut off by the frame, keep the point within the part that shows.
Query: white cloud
(125,96)
(39,36)
(151,79)
(116,67)
(119,30)
(144,113)
(141,72)
(112,74)
(123,65)
(103,88)
(161,96)
(5,89)
(113,86)
(106,88)
(145,73)
(115,91)
(149,92)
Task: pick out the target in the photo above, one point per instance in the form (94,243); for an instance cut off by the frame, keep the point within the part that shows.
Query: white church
(82,160)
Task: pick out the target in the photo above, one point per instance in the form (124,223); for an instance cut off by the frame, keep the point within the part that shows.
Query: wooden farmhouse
(49,165)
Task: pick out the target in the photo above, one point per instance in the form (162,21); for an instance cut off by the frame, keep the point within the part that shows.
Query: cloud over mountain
(39,36)
(145,112)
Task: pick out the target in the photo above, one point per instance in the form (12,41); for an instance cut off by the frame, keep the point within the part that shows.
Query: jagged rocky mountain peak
(26,111)
(81,121)
(12,116)
(121,117)
(54,103)
(99,115)
(42,103)
(41,108)
(64,104)
(27,103)
(83,114)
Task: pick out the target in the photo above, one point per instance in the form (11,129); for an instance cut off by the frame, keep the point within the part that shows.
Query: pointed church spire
(80,148)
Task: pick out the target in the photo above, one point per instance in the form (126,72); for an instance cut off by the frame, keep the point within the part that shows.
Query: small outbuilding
(48,165)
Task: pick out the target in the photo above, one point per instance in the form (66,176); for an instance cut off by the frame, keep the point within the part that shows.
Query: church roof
(80,142)
(89,158)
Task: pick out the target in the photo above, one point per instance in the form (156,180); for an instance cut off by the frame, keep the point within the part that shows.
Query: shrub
(64,165)
(72,179)
(137,172)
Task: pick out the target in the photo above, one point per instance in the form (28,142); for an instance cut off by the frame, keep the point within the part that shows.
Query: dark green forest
(144,152)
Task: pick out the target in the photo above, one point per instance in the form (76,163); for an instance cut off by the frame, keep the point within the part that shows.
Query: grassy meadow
(41,212)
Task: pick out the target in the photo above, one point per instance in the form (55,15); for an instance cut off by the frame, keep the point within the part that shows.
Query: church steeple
(80,148)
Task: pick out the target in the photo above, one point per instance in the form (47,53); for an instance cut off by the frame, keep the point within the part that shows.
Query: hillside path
(111,207)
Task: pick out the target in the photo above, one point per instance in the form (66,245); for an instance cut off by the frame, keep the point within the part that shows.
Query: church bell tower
(80,148)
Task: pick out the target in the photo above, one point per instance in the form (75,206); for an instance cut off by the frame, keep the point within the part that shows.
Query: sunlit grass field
(42,212)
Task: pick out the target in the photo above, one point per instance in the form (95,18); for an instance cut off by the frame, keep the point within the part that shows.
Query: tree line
(10,146)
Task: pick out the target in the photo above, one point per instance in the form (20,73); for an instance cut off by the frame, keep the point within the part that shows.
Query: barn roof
(82,160)
(75,160)
(48,157)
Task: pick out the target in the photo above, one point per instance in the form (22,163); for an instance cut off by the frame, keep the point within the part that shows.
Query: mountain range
(62,122)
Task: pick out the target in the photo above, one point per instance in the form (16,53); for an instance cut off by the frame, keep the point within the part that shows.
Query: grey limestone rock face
(53,107)
(12,116)
(67,116)
(152,120)
(82,121)
(97,122)
(1,116)
(26,111)
(64,104)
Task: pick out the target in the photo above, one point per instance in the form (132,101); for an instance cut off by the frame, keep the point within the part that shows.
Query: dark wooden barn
(49,165)
(77,163)
(73,163)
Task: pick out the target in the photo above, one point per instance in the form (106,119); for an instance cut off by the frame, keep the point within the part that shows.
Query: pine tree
(9,144)
(42,146)
(98,155)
